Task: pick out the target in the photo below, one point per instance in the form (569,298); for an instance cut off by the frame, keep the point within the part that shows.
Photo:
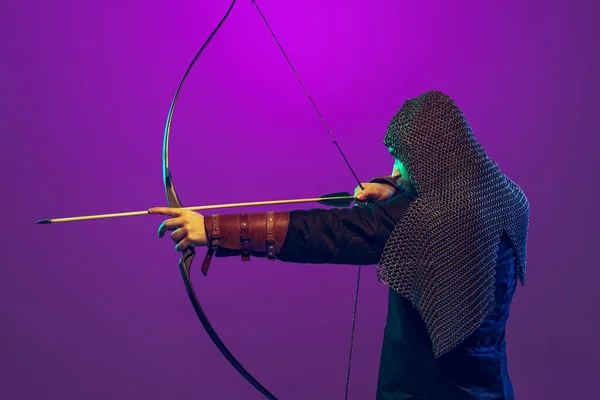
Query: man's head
(432,141)
(447,240)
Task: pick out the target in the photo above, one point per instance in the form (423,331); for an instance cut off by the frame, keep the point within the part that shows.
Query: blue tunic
(476,369)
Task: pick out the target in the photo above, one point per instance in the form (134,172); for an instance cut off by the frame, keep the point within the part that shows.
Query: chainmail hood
(442,254)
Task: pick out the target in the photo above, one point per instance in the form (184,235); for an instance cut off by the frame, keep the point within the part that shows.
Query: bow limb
(185,264)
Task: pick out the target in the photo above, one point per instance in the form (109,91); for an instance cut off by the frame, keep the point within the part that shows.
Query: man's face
(399,170)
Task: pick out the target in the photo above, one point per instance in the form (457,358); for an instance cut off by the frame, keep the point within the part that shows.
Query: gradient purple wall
(97,310)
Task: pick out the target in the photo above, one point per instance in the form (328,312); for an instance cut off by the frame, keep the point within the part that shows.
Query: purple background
(97,310)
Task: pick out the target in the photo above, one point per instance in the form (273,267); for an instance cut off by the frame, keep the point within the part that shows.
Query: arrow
(341,199)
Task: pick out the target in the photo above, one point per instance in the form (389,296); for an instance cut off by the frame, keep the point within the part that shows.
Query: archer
(448,237)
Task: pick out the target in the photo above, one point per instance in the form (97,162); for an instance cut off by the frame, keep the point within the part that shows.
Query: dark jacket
(476,369)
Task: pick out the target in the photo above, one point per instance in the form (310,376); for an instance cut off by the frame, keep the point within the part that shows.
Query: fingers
(170,225)
(358,193)
(170,211)
(184,245)
(373,192)
(187,226)
(370,192)
(361,194)
(358,190)
(181,239)
(179,234)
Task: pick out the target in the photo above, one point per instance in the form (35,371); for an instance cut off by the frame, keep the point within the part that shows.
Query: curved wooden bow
(185,263)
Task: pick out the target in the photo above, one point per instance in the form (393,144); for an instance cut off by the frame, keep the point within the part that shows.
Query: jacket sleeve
(354,236)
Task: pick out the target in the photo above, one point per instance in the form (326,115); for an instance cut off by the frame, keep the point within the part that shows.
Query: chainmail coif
(442,254)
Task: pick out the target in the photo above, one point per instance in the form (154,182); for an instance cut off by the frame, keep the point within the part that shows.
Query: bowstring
(334,141)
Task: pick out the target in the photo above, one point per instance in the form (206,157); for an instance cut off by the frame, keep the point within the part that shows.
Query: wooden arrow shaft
(196,208)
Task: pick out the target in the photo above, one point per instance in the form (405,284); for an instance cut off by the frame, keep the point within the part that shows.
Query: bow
(185,263)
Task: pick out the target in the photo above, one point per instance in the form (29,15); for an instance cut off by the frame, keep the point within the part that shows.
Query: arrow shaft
(196,208)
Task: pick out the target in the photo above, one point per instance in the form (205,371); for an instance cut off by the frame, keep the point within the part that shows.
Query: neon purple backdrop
(97,310)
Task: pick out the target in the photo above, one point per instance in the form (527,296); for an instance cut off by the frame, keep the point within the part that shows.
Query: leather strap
(215,238)
(271,241)
(245,237)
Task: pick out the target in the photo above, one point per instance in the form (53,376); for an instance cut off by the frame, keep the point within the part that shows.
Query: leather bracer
(256,234)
